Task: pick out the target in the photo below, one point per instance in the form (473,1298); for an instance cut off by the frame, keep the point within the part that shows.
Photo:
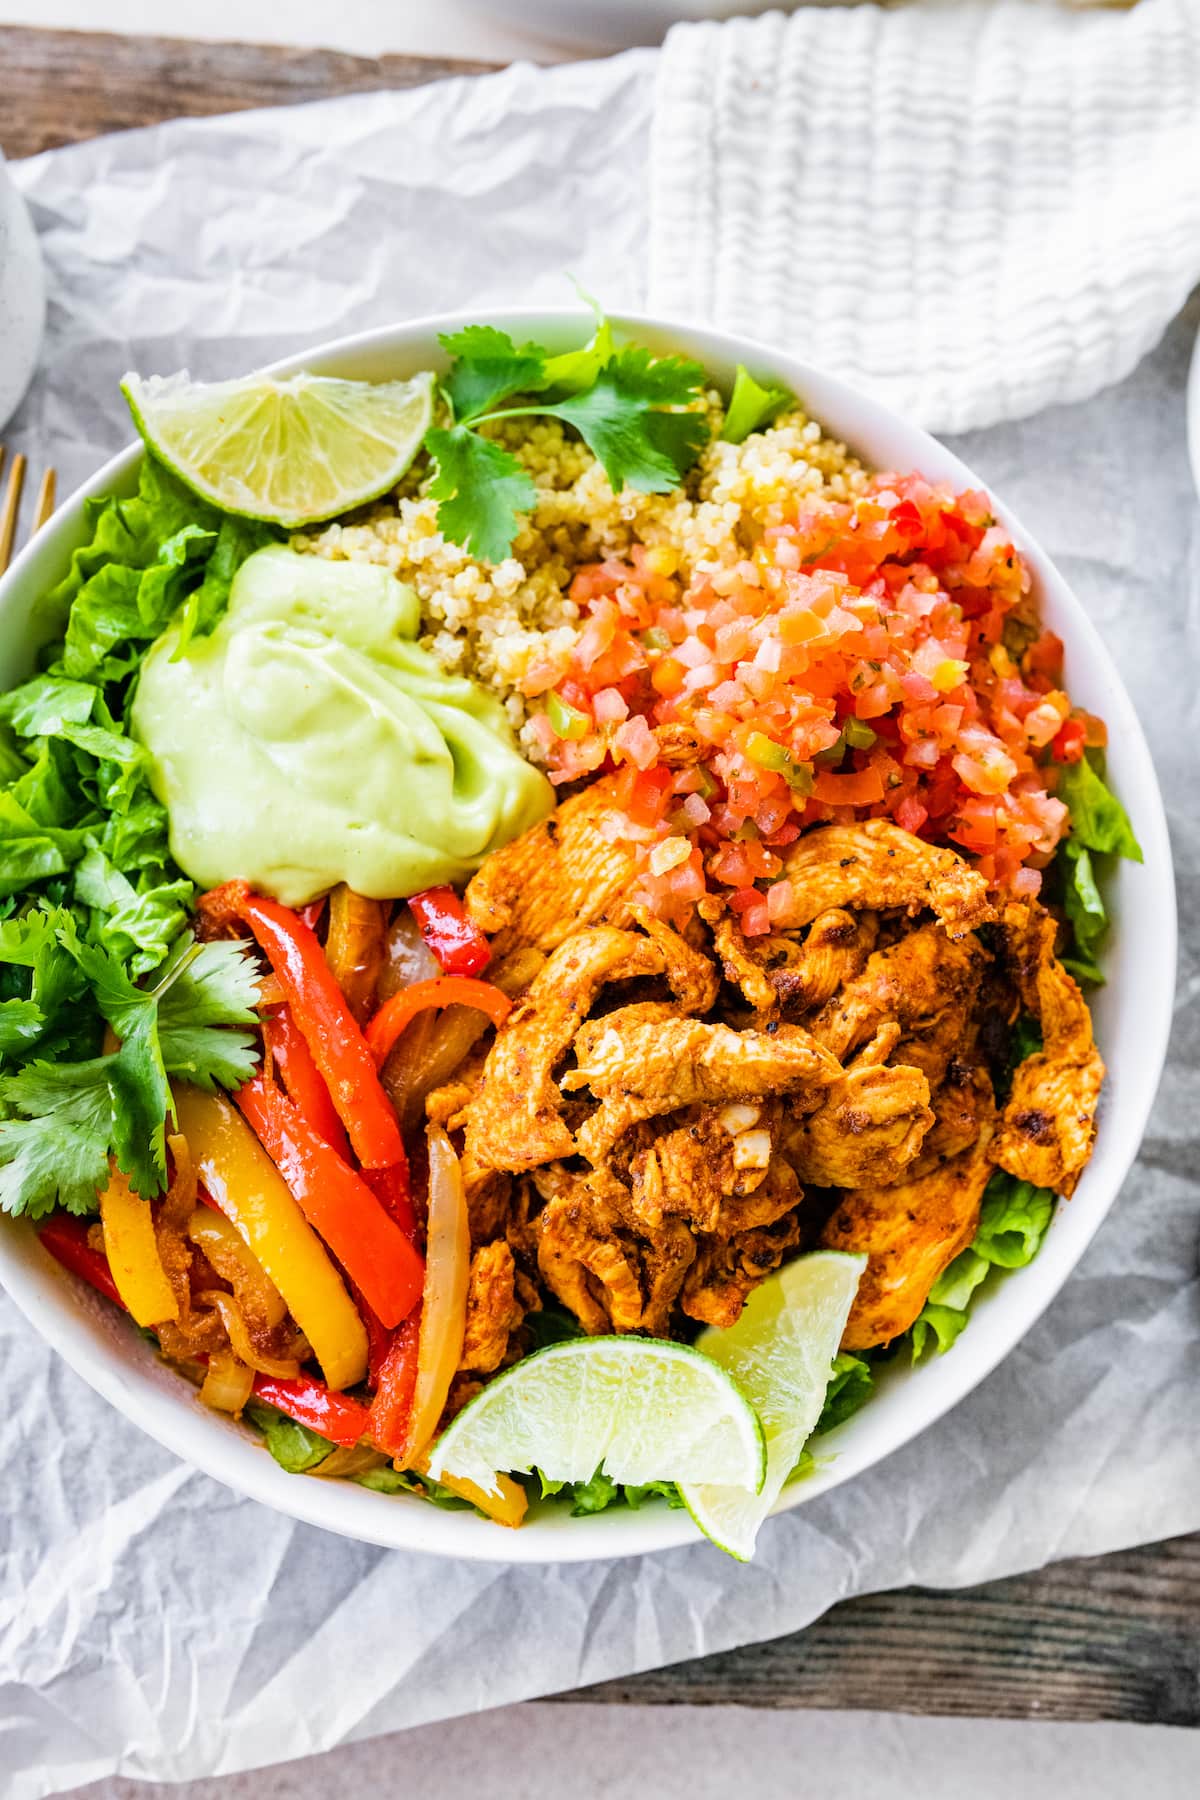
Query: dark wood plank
(61,87)
(1112,1637)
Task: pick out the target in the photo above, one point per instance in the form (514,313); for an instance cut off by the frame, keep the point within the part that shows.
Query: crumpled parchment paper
(150,1622)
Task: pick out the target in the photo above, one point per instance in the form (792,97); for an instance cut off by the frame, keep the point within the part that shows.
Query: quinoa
(498,622)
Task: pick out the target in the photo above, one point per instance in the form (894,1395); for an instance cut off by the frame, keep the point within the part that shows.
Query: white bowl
(1132,1015)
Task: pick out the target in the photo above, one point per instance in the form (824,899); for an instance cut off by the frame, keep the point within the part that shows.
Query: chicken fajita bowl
(587,937)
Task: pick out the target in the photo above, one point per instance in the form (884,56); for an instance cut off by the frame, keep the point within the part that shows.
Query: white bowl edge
(1133,1016)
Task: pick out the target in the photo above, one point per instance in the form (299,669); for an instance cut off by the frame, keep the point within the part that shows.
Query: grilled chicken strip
(911,1232)
(867,1130)
(783,972)
(591,1255)
(639,1063)
(923,980)
(575,869)
(877,866)
(514,1121)
(1048,1125)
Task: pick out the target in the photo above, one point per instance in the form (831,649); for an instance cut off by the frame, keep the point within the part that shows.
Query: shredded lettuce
(95,902)
(294,1447)
(1100,828)
(850,1386)
(1013,1221)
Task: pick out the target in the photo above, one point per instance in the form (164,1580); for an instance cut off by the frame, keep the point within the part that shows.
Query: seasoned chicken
(868,1128)
(920,981)
(713,1155)
(515,1119)
(964,1109)
(727,1270)
(910,1233)
(493,1309)
(639,1064)
(576,868)
(877,866)
(593,1258)
(1049,1123)
(783,971)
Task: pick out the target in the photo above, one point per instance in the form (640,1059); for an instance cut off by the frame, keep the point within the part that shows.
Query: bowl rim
(64,1312)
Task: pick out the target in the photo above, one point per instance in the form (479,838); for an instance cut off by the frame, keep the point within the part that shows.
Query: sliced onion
(231,1257)
(426,1055)
(407,957)
(444,1304)
(228,1382)
(233,1319)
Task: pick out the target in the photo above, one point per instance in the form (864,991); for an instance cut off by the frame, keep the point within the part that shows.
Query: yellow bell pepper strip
(443,990)
(336,1201)
(245,1185)
(508,1507)
(444,1305)
(132,1251)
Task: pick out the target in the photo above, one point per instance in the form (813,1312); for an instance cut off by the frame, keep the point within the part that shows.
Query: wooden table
(1115,1637)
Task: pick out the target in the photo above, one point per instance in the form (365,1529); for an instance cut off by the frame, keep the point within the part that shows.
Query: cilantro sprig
(635,411)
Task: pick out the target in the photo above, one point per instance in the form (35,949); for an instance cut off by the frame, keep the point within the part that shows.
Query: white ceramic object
(1132,1016)
(612,24)
(22,297)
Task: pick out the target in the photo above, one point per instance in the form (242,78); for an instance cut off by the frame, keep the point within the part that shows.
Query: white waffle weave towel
(974,210)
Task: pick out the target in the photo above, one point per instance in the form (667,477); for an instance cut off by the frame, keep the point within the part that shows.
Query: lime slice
(641,1409)
(292,449)
(779,1353)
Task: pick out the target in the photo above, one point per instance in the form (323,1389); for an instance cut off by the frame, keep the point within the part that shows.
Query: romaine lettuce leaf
(1013,1220)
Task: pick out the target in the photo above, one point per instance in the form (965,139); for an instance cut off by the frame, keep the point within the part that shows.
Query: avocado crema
(309,740)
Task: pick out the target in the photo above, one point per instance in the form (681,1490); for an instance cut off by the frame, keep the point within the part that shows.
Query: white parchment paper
(150,1622)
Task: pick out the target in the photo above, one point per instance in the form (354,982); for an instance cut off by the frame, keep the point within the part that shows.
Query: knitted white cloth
(974,210)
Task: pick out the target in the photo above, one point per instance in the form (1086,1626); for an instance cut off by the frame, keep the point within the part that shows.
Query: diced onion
(738,1116)
(444,1305)
(752,1150)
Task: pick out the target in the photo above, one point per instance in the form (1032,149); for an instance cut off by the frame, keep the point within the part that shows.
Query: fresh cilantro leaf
(621,419)
(22,1023)
(850,1386)
(141,1101)
(294,1447)
(1098,820)
(57,1153)
(577,369)
(487,368)
(216,990)
(481,490)
(751,406)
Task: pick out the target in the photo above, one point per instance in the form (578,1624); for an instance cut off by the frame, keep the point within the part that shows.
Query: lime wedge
(779,1353)
(293,449)
(639,1408)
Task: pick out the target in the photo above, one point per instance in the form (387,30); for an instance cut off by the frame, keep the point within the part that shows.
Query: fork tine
(8,511)
(44,505)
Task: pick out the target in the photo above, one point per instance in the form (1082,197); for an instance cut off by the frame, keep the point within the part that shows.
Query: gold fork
(42,508)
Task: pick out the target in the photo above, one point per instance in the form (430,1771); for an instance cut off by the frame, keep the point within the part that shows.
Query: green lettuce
(1013,1220)
(1100,828)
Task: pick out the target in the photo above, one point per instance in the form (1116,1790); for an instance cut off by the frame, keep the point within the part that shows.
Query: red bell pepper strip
(337,1417)
(66,1238)
(337,1203)
(391,1408)
(301,1077)
(311,914)
(390,1188)
(443,990)
(329,1028)
(459,946)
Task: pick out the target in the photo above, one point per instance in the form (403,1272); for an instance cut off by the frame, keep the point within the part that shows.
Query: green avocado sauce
(309,740)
